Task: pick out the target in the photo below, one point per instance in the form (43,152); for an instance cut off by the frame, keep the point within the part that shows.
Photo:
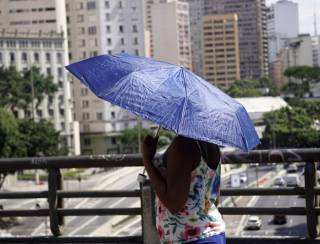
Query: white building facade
(36,19)
(171,33)
(282,24)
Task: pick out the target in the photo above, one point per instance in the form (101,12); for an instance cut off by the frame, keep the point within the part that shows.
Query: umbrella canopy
(170,96)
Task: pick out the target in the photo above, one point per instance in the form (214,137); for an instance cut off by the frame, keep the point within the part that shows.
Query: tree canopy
(16,87)
(300,78)
(253,88)
(290,127)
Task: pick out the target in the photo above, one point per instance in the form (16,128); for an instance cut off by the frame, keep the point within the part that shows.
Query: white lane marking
(126,227)
(278,196)
(291,221)
(295,203)
(244,217)
(275,203)
(95,218)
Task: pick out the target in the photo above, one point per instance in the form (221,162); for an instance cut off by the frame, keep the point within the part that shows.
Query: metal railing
(56,194)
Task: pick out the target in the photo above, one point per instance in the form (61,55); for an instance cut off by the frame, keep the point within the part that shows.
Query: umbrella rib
(185,100)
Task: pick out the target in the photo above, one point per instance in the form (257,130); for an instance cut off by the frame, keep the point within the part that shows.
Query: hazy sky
(306,10)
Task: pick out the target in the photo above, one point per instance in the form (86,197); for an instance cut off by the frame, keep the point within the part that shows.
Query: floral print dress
(200,217)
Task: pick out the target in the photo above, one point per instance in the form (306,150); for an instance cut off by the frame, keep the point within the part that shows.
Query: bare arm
(173,189)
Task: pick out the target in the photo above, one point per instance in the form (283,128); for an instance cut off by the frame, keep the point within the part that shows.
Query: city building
(221,61)
(297,52)
(44,50)
(39,17)
(171,33)
(282,23)
(196,12)
(253,42)
(104,27)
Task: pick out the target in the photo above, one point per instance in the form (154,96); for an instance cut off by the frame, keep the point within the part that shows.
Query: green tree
(253,88)
(290,127)
(16,87)
(130,137)
(300,78)
(40,138)
(312,107)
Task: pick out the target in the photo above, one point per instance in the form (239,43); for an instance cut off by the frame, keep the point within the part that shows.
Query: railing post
(311,201)
(54,184)
(149,232)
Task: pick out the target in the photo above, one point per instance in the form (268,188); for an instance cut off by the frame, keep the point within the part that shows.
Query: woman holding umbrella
(187,189)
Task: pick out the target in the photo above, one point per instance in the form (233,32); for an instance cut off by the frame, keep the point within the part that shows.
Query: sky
(306,13)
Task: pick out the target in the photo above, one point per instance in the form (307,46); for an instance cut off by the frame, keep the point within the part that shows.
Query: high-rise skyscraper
(171,33)
(220,39)
(103,27)
(282,23)
(253,42)
(32,21)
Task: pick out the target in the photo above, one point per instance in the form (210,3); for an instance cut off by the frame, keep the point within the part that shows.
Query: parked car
(253,223)
(279,219)
(293,180)
(243,177)
(292,168)
(279,181)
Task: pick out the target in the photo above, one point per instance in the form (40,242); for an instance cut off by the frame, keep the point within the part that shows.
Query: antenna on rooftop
(315,19)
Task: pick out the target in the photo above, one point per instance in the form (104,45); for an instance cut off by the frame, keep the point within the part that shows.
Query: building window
(48,71)
(99,116)
(61,112)
(136,41)
(59,58)
(108,29)
(85,116)
(80,18)
(120,4)
(122,41)
(85,104)
(113,140)
(83,43)
(60,73)
(87,141)
(109,52)
(136,52)
(120,28)
(24,58)
(113,115)
(106,4)
(48,57)
(92,30)
(108,17)
(84,91)
(113,126)
(91,5)
(12,57)
(39,113)
(134,28)
(0,58)
(109,42)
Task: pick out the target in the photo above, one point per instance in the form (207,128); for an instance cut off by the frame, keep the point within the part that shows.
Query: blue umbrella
(170,96)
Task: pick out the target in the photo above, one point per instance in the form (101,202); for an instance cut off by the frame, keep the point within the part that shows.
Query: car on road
(279,181)
(293,180)
(253,223)
(243,177)
(292,168)
(279,219)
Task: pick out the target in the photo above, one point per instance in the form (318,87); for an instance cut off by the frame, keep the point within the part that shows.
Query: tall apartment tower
(283,23)
(220,39)
(32,21)
(103,27)
(253,42)
(171,33)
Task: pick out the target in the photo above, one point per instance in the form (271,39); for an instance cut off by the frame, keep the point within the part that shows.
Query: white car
(293,180)
(279,181)
(254,223)
(243,177)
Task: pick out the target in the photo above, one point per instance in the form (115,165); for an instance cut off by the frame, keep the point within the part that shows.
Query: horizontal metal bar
(84,194)
(100,211)
(272,156)
(263,211)
(263,191)
(24,213)
(22,195)
(78,239)
(271,240)
(69,194)
(129,160)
